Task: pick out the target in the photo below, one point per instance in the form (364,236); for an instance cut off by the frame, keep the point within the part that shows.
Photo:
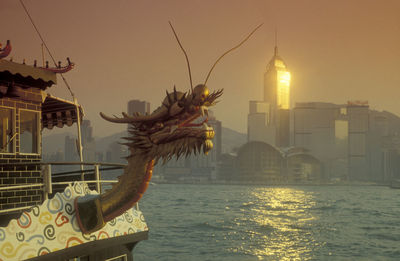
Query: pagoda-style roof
(26,75)
(22,73)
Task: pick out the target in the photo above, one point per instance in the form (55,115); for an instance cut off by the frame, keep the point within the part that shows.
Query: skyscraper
(277,96)
(142,107)
(88,142)
(269,120)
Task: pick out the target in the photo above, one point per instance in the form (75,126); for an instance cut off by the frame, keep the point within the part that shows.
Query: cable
(47,48)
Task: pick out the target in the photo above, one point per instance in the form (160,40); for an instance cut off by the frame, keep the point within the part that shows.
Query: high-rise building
(337,135)
(269,120)
(88,142)
(322,129)
(277,85)
(277,95)
(141,107)
(70,149)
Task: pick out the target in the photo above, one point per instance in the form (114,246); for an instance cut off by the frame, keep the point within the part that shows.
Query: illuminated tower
(269,120)
(277,83)
(277,98)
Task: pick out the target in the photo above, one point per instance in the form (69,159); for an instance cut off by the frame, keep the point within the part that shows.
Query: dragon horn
(169,98)
(175,94)
(135,118)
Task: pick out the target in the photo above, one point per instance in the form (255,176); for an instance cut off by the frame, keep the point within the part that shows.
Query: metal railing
(56,182)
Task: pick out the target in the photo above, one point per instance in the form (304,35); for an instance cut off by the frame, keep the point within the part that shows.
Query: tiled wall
(30,99)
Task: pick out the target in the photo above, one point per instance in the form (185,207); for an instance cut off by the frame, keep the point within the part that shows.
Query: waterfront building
(226,168)
(383,146)
(303,168)
(260,163)
(322,129)
(358,129)
(353,142)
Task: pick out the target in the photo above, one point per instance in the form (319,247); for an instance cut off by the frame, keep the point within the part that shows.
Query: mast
(79,140)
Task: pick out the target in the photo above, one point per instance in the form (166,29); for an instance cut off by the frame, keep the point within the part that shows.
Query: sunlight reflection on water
(249,223)
(279,218)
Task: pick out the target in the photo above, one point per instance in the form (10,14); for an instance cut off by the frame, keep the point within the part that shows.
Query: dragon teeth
(208,145)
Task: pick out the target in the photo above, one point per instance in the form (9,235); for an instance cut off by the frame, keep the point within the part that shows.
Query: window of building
(29,132)
(7,135)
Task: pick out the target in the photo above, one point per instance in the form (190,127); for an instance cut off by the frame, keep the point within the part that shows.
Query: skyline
(335,51)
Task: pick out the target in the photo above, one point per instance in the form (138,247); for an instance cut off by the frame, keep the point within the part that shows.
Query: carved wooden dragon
(178,127)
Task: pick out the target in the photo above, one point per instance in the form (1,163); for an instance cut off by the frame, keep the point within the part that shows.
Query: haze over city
(336,50)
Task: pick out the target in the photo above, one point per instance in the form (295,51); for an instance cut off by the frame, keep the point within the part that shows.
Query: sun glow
(283,81)
(281,218)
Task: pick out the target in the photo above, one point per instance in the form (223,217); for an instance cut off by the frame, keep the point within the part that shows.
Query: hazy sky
(124,49)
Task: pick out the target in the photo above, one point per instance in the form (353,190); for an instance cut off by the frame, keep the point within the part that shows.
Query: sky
(124,49)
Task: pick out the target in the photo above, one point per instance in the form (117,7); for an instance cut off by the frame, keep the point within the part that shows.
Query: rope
(47,48)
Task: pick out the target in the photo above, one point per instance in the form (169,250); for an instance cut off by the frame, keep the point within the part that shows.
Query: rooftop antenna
(276,42)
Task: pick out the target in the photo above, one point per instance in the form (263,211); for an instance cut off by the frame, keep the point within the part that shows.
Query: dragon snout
(208,133)
(208,145)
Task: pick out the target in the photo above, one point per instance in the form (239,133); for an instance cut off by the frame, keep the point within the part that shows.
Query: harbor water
(229,222)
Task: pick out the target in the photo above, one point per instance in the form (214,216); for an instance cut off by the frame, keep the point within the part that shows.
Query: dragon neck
(130,187)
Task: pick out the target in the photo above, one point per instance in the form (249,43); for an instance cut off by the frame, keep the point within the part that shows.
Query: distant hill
(103,142)
(232,139)
(52,143)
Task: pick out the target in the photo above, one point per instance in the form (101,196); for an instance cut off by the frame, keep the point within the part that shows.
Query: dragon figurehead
(178,127)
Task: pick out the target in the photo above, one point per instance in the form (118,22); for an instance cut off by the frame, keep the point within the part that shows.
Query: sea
(234,222)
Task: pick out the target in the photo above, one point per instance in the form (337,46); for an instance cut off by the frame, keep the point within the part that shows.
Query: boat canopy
(59,112)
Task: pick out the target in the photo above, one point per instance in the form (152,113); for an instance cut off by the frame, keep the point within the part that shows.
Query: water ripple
(270,223)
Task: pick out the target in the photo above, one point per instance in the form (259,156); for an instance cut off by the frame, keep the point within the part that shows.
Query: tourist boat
(37,212)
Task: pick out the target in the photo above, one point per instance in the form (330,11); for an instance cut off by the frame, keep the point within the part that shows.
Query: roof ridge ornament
(6,50)
(59,68)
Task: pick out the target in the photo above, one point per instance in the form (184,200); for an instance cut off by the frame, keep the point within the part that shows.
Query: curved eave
(28,73)
(59,112)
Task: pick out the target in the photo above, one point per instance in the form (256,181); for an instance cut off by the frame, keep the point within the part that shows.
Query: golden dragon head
(178,127)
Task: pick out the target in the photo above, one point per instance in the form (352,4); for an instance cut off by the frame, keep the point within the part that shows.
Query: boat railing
(55,181)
